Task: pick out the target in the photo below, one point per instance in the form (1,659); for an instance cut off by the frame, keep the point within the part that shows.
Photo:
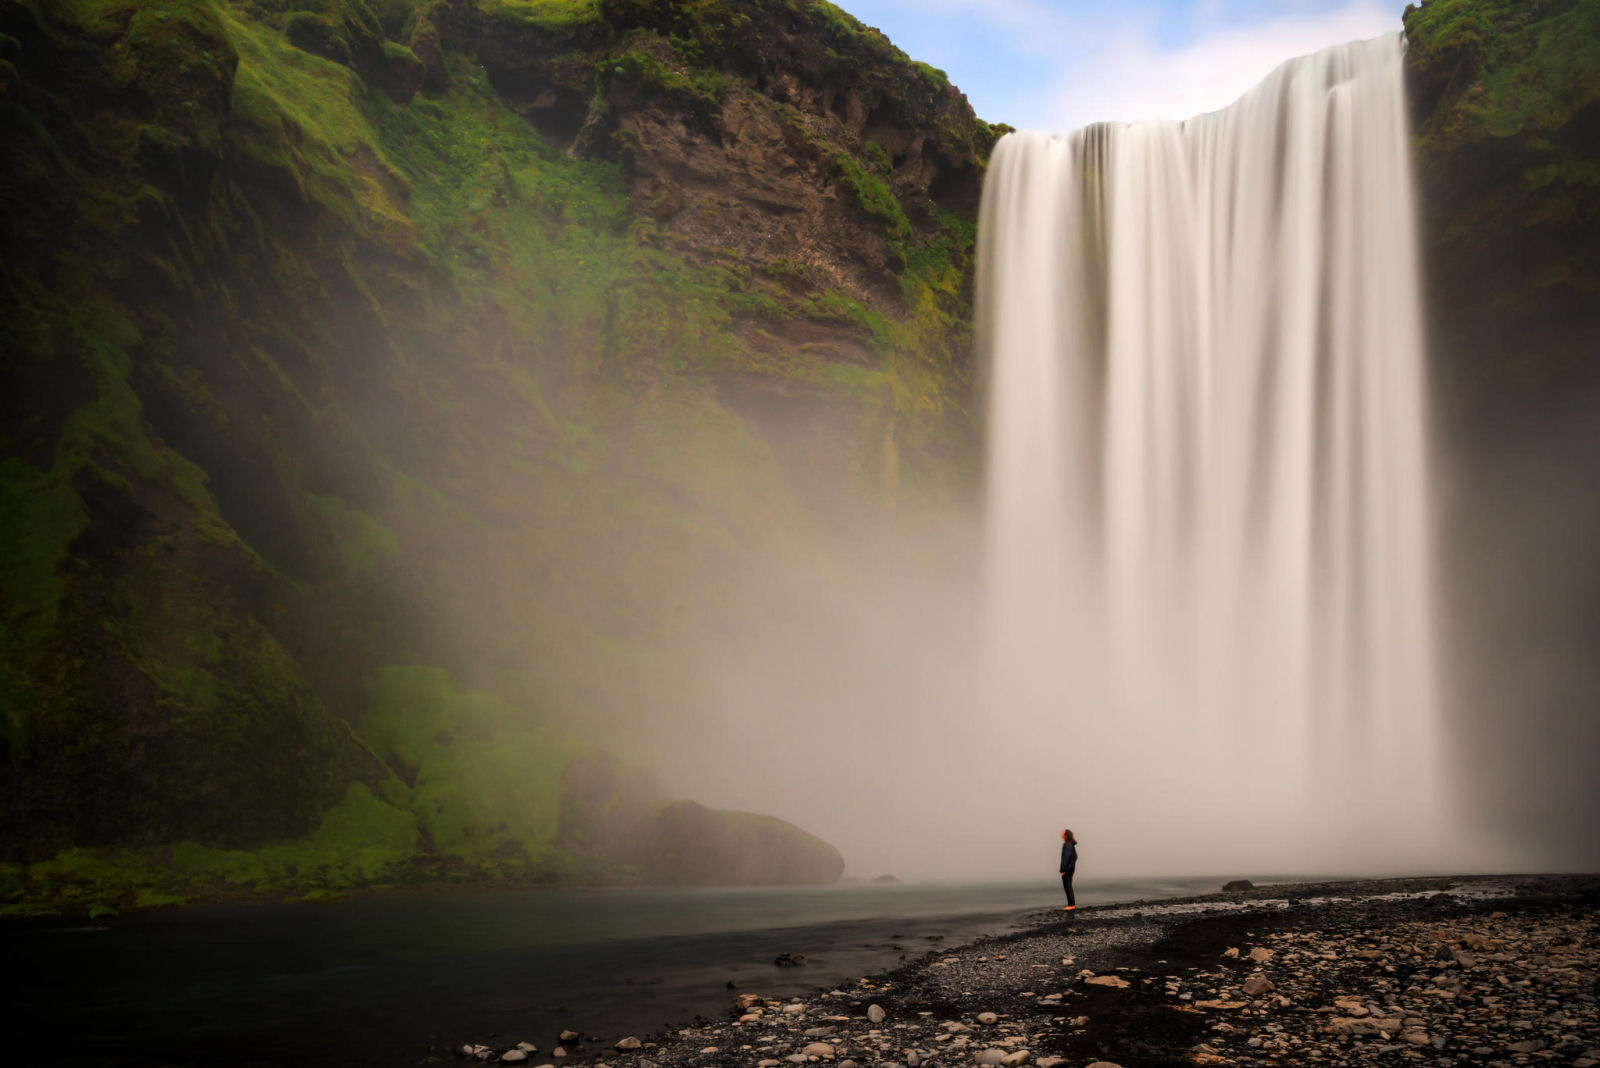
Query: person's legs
(1066,884)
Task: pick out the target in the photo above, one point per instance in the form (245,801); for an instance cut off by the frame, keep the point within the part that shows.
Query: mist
(866,673)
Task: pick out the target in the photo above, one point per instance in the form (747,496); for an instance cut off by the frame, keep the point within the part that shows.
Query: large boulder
(693,845)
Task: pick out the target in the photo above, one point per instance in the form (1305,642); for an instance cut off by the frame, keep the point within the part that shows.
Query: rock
(1257,985)
(1350,1025)
(816,1049)
(514,1056)
(847,1063)
(1261,954)
(1218,1004)
(1230,952)
(988,1019)
(768,1063)
(570,1036)
(527,1047)
(875,1013)
(1103,1064)
(989,1056)
(789,960)
(629,1043)
(1416,1038)
(1017,1059)
(794,1009)
(559,1052)
(1107,980)
(913,1058)
(692,845)
(1051,1062)
(749,1001)
(1237,885)
(819,1032)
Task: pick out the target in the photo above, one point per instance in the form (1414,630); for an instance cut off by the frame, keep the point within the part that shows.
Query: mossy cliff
(1506,97)
(1506,100)
(345,335)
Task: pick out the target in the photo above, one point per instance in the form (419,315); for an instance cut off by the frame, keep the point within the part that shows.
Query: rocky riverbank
(1500,972)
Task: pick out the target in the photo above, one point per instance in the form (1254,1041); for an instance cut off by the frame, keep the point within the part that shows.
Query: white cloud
(1133,78)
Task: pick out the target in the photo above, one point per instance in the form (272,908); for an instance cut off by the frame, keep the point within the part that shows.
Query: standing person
(1069,863)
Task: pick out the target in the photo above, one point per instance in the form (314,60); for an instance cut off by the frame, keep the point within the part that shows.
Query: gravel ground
(1500,972)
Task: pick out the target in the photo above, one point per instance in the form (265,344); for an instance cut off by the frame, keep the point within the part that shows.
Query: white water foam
(1210,556)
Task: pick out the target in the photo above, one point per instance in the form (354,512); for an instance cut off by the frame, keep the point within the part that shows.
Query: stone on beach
(630,1042)
(1362,980)
(514,1056)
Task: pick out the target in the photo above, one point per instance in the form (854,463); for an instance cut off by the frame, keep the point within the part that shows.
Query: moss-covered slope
(1506,99)
(342,335)
(1507,109)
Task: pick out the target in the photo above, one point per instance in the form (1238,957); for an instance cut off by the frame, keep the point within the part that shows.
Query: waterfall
(1209,557)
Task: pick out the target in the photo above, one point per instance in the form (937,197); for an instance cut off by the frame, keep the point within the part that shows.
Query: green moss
(487,783)
(359,842)
(697,90)
(1536,66)
(360,541)
(872,195)
(935,77)
(303,115)
(549,15)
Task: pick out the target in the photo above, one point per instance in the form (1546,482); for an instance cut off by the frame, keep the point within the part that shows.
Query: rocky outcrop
(1506,103)
(781,136)
(343,336)
(1506,99)
(691,845)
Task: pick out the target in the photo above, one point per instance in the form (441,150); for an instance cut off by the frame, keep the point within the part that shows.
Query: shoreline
(1456,970)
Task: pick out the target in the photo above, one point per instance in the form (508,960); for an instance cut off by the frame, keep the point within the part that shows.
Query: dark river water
(395,979)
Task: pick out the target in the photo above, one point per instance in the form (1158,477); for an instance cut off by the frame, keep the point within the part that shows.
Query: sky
(1061,64)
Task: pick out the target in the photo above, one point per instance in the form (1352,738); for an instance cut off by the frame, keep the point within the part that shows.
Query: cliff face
(345,336)
(1506,101)
(1507,112)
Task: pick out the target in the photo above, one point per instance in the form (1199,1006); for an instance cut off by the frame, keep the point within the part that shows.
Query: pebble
(514,1056)
(1349,984)
(629,1043)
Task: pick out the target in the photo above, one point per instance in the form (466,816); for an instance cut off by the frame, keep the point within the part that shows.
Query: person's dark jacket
(1069,857)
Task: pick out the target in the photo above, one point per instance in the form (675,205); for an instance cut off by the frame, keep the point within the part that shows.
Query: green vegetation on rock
(1506,97)
(348,334)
